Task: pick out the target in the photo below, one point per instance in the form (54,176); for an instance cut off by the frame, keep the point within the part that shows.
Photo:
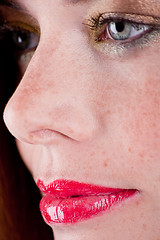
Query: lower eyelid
(120,49)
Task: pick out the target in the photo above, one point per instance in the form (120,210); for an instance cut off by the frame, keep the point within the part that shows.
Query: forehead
(18,2)
(137,6)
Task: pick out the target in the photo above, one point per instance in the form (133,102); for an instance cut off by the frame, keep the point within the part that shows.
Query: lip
(69,202)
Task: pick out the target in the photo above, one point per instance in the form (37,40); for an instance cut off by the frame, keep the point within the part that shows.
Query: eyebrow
(17,5)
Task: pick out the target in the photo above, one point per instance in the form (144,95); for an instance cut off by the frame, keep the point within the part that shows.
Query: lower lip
(77,209)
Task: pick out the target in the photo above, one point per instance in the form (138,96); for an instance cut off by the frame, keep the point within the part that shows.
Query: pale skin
(90,115)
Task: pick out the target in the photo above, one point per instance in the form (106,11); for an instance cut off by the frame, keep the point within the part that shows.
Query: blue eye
(115,33)
(123,31)
(24,40)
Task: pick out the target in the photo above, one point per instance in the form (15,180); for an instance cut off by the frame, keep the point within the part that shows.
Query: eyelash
(94,22)
(98,21)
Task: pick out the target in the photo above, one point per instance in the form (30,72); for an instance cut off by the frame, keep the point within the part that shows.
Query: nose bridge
(50,97)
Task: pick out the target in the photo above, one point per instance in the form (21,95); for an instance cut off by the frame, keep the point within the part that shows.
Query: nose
(51,101)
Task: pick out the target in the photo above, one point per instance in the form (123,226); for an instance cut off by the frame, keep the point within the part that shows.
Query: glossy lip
(69,202)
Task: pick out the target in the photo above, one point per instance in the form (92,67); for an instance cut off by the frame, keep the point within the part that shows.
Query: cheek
(143,115)
(139,103)
(132,120)
(141,125)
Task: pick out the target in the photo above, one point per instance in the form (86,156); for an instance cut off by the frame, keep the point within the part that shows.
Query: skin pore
(88,110)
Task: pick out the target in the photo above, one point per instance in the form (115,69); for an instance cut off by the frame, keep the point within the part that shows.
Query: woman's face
(88,110)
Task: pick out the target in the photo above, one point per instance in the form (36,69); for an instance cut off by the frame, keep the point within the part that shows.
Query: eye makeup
(100,19)
(13,4)
(11,13)
(21,33)
(99,22)
(139,7)
(134,12)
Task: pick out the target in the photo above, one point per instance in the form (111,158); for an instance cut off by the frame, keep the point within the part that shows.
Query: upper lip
(67,188)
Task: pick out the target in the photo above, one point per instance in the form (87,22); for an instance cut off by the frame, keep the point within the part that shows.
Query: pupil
(120,27)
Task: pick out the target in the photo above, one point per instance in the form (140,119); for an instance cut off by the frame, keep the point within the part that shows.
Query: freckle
(92,154)
(108,112)
(156,135)
(154,125)
(141,155)
(129,150)
(106,163)
(142,215)
(144,226)
(71,131)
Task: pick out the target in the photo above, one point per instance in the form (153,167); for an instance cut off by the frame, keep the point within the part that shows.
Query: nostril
(54,134)
(46,136)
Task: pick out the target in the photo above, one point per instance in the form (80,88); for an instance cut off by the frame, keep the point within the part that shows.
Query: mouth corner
(40,185)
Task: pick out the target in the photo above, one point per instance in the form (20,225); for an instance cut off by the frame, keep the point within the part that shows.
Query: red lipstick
(70,202)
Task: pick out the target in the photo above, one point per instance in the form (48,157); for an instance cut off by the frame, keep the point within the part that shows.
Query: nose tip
(41,122)
(11,119)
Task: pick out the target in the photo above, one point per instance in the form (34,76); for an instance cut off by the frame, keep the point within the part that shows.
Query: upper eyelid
(16,25)
(96,22)
(14,4)
(11,15)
